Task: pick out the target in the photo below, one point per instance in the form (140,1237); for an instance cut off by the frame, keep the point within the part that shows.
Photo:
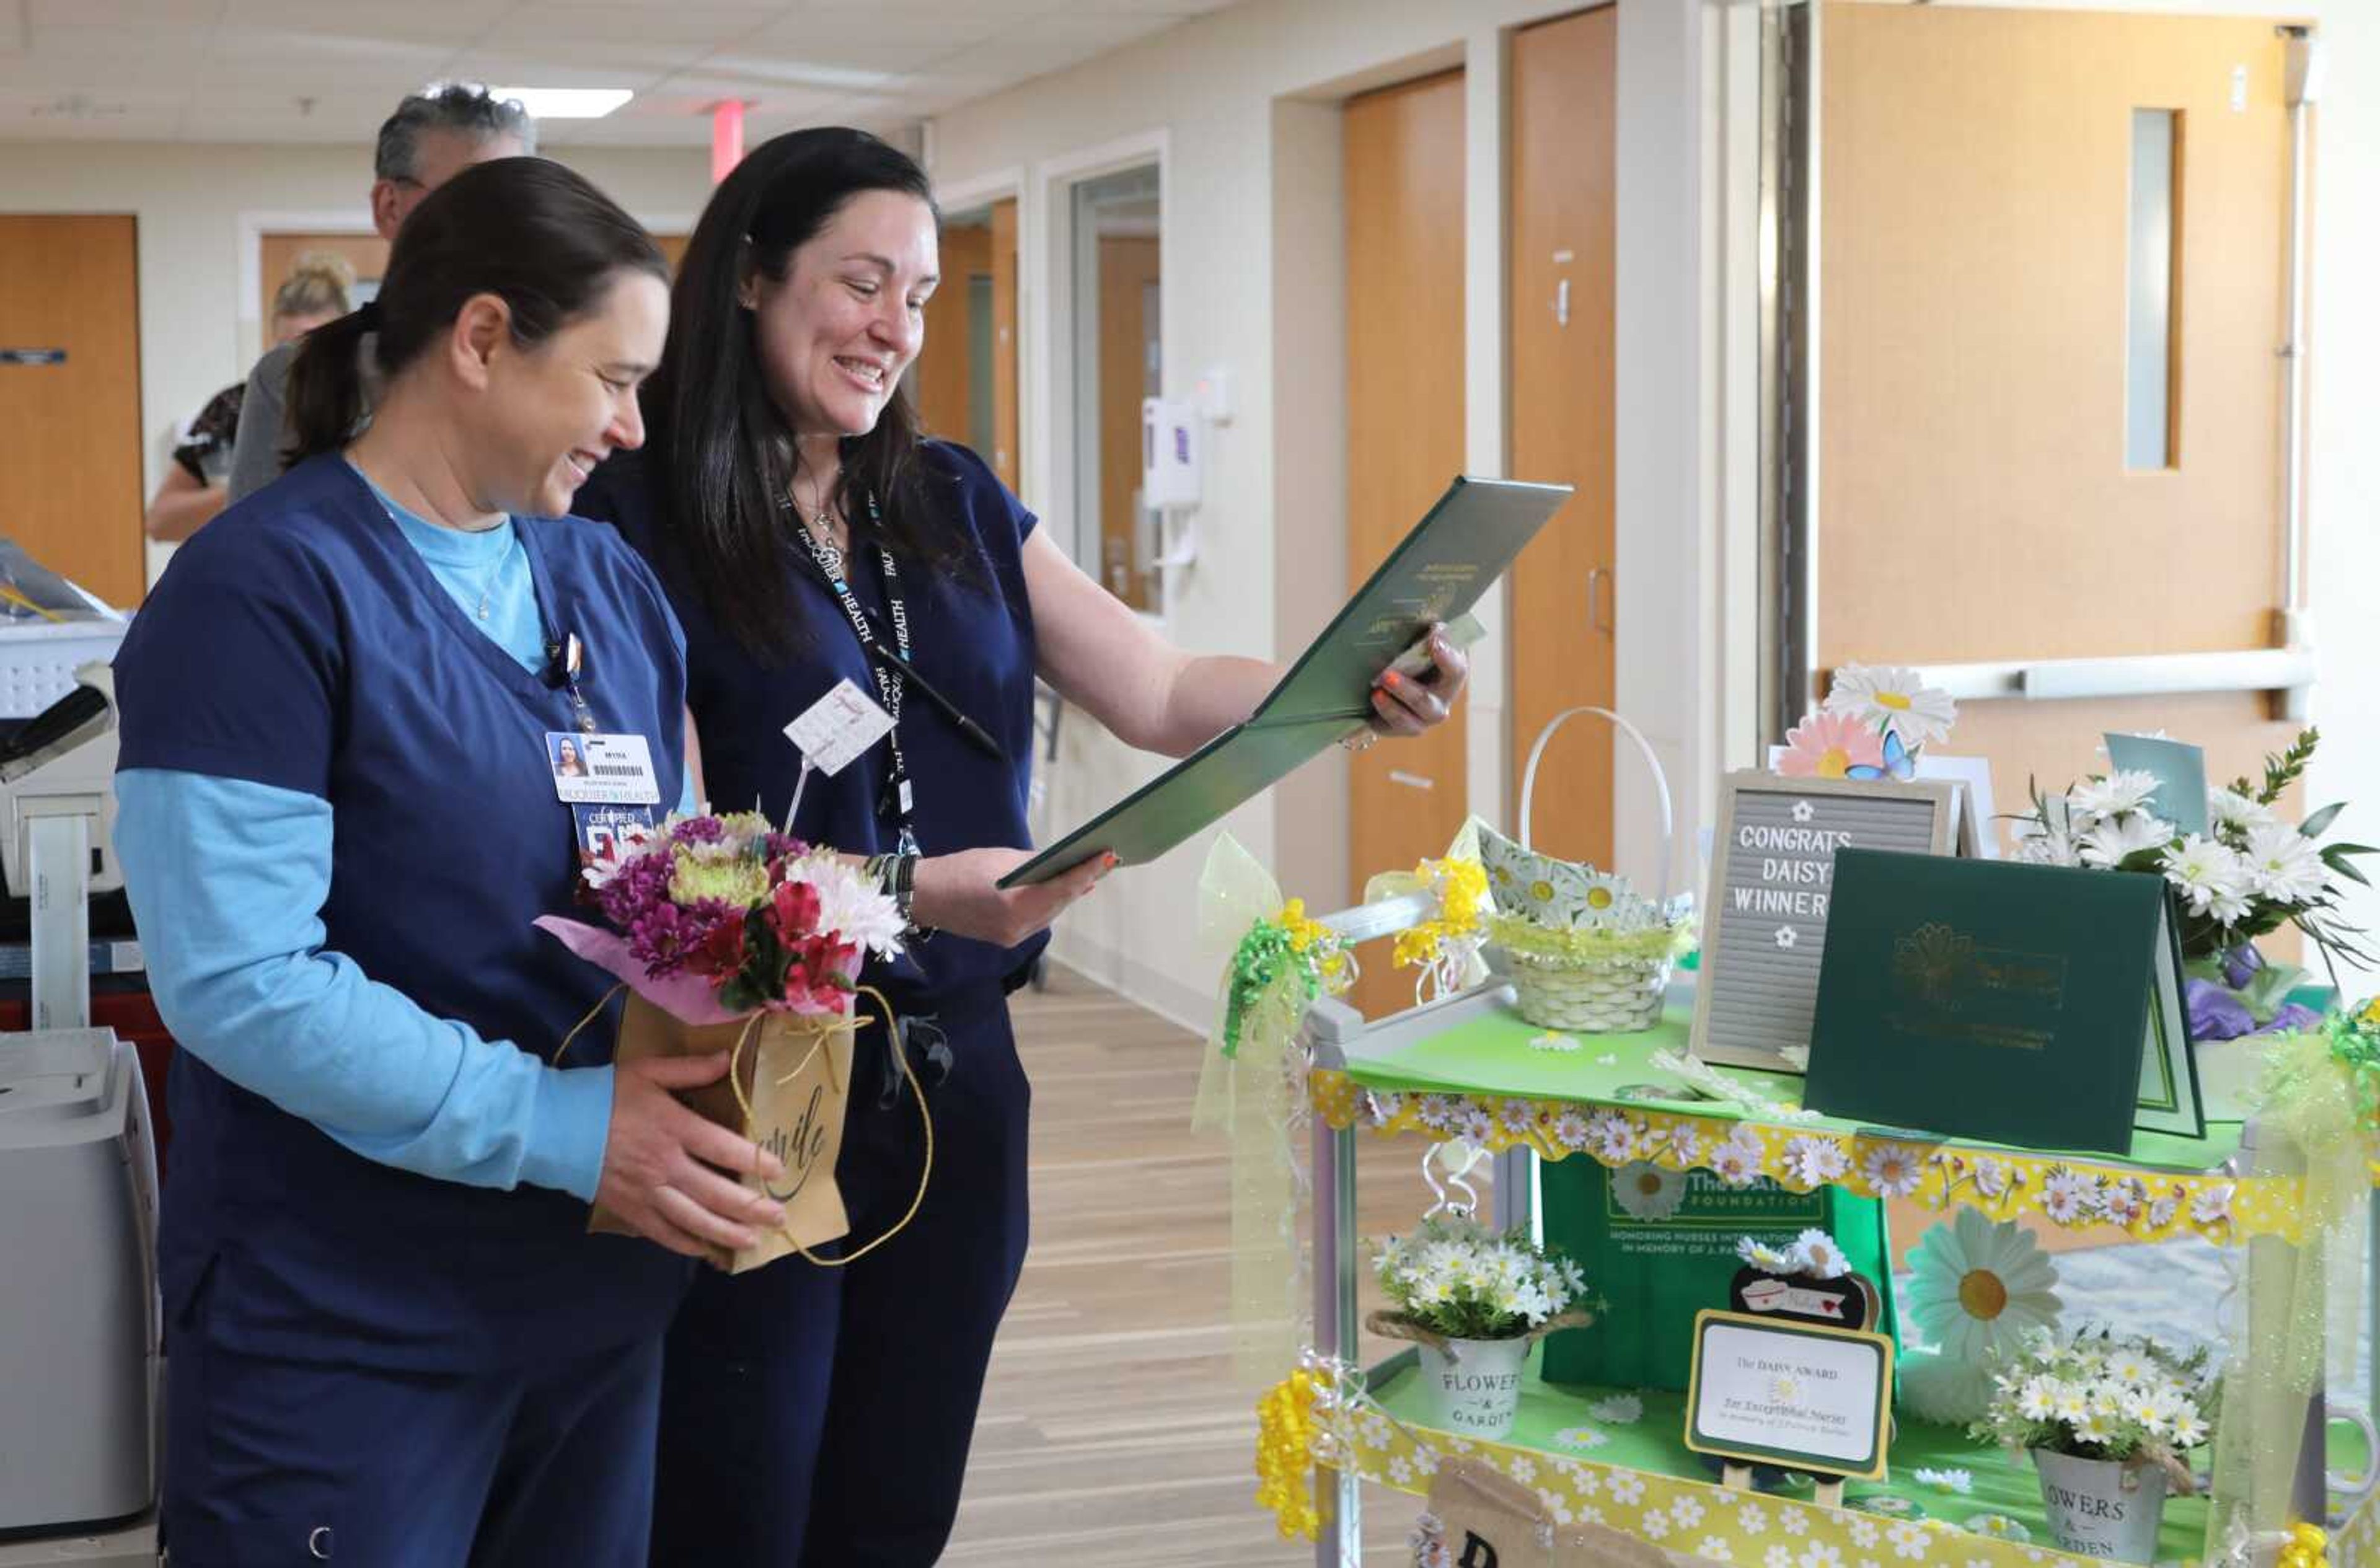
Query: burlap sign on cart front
(1481,1518)
(795,1072)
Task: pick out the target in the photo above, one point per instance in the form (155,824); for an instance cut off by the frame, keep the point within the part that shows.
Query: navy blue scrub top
(300,641)
(972,640)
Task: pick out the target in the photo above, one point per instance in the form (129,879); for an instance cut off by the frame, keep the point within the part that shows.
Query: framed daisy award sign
(1771,883)
(1798,1395)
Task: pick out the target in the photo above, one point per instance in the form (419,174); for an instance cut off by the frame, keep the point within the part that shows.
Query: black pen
(977,735)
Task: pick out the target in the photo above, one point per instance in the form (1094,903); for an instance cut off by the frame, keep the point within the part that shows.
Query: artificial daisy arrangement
(2099,1396)
(2249,875)
(1874,725)
(1456,1278)
(1813,1254)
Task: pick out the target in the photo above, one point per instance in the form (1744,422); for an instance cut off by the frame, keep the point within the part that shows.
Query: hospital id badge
(601,770)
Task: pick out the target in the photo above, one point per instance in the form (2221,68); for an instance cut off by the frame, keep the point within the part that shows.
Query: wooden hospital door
(70,482)
(1404,439)
(1979,499)
(1564,604)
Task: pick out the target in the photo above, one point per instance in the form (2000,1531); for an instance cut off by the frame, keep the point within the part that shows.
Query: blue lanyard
(898,799)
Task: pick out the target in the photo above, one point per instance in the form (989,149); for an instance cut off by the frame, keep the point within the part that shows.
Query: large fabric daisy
(1828,746)
(1980,1288)
(1919,712)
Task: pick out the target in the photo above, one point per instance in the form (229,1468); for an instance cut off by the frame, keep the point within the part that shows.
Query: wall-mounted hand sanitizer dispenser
(1170,458)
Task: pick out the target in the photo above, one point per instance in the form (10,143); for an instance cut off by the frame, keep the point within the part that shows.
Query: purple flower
(2241,964)
(698,830)
(663,938)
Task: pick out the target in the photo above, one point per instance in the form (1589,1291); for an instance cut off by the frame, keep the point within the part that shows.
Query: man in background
(430,139)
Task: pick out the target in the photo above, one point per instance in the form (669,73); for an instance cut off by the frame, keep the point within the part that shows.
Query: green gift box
(1658,1246)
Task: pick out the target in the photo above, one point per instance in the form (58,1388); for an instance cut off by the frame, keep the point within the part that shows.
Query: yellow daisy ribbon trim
(2074,1194)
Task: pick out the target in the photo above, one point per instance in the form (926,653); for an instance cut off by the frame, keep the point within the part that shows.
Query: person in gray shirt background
(430,139)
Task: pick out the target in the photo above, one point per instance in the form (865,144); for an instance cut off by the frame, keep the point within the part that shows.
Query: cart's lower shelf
(1638,1477)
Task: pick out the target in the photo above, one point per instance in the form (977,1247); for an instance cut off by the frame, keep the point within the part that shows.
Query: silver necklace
(488,587)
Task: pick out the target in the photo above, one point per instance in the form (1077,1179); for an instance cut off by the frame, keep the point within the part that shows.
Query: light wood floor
(1113,1432)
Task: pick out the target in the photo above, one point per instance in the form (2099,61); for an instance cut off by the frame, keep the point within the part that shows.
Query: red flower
(721,951)
(793,912)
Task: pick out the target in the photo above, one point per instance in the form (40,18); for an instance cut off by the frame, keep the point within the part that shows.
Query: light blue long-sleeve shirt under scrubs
(229,877)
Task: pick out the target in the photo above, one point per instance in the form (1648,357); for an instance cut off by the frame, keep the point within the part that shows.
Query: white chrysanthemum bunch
(1458,1279)
(2100,1397)
(2250,874)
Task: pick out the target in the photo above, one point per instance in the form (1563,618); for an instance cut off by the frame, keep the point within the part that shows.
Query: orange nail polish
(1391,680)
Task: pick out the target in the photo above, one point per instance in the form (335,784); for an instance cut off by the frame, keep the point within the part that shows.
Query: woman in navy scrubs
(814,1415)
(392,1339)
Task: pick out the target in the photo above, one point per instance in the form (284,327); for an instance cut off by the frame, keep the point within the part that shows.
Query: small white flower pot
(2100,1508)
(1474,1386)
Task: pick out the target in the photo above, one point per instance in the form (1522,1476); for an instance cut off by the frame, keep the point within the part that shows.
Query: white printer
(78,1313)
(79,1369)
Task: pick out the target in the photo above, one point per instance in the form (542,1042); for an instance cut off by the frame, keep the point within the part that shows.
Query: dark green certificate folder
(1442,568)
(2034,1006)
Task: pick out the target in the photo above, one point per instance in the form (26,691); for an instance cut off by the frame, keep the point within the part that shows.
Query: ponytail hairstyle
(723,457)
(530,232)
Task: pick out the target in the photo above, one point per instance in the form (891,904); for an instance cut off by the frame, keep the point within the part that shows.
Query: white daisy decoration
(1761,1256)
(1820,1554)
(1580,1438)
(1552,1042)
(2115,840)
(1959,1481)
(1811,1161)
(2212,1206)
(1788,938)
(1654,1524)
(1736,1163)
(1803,812)
(1779,1557)
(1620,1410)
(1714,1548)
(2119,794)
(1645,1191)
(1894,1170)
(1688,1512)
(1908,1540)
(1980,1287)
(2283,863)
(2214,879)
(1612,1137)
(2229,808)
(1921,713)
(1627,1488)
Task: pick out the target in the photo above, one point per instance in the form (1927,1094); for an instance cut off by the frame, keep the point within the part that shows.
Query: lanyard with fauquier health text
(899,798)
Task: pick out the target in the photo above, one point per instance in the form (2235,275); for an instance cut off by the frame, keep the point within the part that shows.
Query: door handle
(1596,621)
(1411,781)
(1562,303)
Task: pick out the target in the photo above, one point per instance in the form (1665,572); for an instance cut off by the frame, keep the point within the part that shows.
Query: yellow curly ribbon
(1285,1433)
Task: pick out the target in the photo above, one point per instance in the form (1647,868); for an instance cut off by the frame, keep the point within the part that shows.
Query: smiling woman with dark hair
(393,1338)
(811,535)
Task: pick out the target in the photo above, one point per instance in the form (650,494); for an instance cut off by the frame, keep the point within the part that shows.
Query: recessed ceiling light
(565,102)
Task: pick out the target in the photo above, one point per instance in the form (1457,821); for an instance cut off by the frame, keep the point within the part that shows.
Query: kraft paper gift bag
(792,1077)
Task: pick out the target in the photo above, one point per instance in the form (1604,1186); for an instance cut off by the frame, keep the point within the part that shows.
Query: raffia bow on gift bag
(1480,1517)
(787,1087)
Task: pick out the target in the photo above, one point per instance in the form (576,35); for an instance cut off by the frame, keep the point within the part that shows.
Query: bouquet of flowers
(732,937)
(1455,1279)
(760,920)
(2101,1397)
(2248,875)
(1874,723)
